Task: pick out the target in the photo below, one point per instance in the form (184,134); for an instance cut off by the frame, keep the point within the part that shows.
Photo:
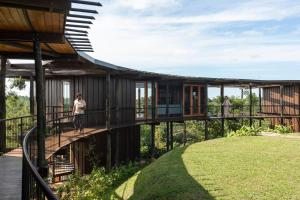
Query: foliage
(227,168)
(17,83)
(17,106)
(97,185)
(282,129)
(245,131)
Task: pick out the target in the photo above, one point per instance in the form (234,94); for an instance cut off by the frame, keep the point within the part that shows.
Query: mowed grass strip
(228,168)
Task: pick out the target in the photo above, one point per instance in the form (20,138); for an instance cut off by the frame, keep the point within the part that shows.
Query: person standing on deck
(78,111)
(226,104)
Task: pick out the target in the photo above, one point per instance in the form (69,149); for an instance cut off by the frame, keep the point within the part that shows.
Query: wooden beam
(40,102)
(91,3)
(30,55)
(2,105)
(84,10)
(81,16)
(75,30)
(78,21)
(61,6)
(25,36)
(51,53)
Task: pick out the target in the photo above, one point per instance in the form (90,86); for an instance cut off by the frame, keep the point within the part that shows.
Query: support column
(281,105)
(2,105)
(206,130)
(168,135)
(222,111)
(260,106)
(117,147)
(153,101)
(206,113)
(184,134)
(171,135)
(242,109)
(152,140)
(250,106)
(168,100)
(31,96)
(108,125)
(153,95)
(40,105)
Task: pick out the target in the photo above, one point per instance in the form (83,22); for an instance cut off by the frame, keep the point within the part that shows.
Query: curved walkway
(52,144)
(11,175)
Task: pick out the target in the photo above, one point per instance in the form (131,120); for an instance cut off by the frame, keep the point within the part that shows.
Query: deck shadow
(176,184)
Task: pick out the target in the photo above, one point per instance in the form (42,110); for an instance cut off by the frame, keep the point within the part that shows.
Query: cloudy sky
(215,38)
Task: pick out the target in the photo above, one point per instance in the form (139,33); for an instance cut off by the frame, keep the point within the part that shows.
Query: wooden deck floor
(52,142)
(11,175)
(11,162)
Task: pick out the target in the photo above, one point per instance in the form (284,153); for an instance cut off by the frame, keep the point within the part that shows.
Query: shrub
(97,185)
(245,131)
(282,129)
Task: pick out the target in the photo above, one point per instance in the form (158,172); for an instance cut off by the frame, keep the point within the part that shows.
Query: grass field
(229,168)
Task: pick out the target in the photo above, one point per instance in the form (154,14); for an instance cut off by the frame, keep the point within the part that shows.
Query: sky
(257,39)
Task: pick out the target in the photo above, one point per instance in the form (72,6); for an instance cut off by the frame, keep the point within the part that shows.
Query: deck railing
(36,187)
(33,185)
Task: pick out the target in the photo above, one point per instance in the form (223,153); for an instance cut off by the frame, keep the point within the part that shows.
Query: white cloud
(149,41)
(145,4)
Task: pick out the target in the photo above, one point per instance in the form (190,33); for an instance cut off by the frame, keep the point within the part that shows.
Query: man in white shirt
(78,111)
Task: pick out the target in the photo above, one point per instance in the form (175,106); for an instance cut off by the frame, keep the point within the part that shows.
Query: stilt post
(40,105)
(171,135)
(2,105)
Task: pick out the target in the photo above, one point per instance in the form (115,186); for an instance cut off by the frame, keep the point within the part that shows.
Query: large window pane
(66,96)
(140,100)
(195,96)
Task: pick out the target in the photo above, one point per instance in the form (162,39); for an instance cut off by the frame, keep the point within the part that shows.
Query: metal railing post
(21,131)
(59,132)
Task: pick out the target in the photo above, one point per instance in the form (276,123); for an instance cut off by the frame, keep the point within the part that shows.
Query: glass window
(194,98)
(140,100)
(66,96)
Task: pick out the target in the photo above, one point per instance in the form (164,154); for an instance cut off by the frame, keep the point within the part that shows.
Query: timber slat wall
(291,100)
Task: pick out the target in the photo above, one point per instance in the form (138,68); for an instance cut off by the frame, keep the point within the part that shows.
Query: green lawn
(229,168)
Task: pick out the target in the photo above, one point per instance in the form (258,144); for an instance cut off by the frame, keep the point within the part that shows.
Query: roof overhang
(51,22)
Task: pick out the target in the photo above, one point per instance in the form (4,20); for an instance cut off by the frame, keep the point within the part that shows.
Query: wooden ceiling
(21,21)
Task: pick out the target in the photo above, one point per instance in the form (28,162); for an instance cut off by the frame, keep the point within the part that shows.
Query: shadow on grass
(166,178)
